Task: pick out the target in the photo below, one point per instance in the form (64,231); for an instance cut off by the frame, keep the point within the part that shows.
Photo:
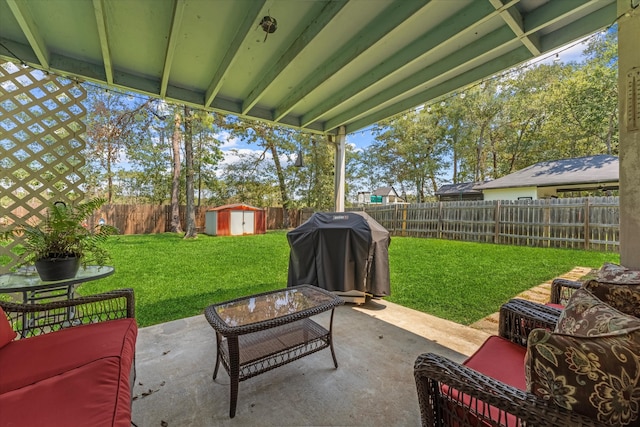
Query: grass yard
(463,282)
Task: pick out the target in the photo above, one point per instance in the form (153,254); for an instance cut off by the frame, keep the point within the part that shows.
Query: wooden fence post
(439,230)
(496,235)
(396,221)
(586,224)
(546,230)
(404,220)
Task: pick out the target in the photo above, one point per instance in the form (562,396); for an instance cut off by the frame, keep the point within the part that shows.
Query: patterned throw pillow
(7,334)
(590,364)
(617,286)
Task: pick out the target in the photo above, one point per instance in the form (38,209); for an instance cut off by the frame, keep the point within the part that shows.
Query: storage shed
(235,220)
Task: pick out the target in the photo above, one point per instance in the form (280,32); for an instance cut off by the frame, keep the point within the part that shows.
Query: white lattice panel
(41,139)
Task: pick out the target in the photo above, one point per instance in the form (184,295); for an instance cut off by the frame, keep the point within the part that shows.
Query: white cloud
(235,154)
(228,141)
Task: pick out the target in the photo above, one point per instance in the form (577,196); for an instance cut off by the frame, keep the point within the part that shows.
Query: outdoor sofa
(68,363)
(546,367)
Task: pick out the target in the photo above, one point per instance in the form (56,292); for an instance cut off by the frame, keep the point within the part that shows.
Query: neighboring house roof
(384,191)
(582,170)
(454,189)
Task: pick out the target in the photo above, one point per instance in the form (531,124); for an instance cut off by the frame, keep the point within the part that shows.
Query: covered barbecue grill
(344,252)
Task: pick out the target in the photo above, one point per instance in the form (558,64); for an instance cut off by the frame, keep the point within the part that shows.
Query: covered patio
(330,67)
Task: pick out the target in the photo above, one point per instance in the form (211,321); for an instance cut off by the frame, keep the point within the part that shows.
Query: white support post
(340,169)
(629,128)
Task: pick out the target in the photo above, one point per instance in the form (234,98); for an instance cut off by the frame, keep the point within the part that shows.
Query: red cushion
(7,334)
(37,358)
(554,305)
(73,377)
(91,395)
(499,359)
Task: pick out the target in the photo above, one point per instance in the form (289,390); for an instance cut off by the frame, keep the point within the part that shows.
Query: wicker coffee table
(261,332)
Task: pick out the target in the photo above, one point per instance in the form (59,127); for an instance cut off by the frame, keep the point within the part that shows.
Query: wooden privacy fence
(586,223)
(150,219)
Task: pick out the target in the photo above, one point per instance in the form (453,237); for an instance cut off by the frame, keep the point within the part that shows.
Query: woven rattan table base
(265,350)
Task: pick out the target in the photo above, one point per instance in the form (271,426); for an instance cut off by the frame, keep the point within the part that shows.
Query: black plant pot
(53,269)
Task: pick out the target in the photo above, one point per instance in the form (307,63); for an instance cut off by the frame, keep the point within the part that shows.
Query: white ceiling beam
(553,12)
(446,32)
(387,21)
(587,24)
(28,26)
(176,21)
(329,11)
(540,18)
(452,64)
(101,24)
(487,69)
(514,20)
(241,37)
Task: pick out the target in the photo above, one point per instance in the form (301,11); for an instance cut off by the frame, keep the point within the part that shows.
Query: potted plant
(60,244)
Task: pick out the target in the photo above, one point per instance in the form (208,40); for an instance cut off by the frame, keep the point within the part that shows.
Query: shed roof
(453,189)
(235,207)
(581,170)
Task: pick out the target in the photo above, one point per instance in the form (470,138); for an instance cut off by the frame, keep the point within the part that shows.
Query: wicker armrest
(518,317)
(35,319)
(562,289)
(461,401)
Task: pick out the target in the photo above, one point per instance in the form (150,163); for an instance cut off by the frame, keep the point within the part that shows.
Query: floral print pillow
(617,286)
(590,364)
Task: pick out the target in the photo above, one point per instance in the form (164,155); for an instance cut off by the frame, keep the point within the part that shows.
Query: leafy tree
(113,123)
(249,180)
(272,139)
(413,150)
(591,96)
(314,181)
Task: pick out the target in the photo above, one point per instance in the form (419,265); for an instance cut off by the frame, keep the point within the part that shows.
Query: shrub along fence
(586,223)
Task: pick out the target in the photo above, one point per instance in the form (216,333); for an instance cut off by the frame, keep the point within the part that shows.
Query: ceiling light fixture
(269,25)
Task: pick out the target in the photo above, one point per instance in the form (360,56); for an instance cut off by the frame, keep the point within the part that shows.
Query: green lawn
(175,278)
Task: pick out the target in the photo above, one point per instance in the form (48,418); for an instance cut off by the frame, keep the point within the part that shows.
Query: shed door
(241,223)
(237,218)
(247,227)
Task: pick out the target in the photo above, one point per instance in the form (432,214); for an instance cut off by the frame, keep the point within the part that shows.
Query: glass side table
(28,283)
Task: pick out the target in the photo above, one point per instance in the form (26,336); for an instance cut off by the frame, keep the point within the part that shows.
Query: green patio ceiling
(328,64)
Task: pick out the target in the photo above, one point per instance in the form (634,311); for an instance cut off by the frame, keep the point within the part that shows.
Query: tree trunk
(190,214)
(200,170)
(282,185)
(175,182)
(109,178)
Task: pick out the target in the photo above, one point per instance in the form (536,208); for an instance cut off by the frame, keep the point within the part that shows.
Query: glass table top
(28,279)
(271,306)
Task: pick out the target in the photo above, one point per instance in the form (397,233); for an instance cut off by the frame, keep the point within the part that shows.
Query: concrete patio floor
(376,345)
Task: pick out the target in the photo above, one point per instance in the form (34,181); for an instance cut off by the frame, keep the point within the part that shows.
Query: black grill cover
(340,251)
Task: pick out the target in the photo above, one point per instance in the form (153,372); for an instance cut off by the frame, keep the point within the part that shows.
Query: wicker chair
(562,289)
(452,394)
(35,319)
